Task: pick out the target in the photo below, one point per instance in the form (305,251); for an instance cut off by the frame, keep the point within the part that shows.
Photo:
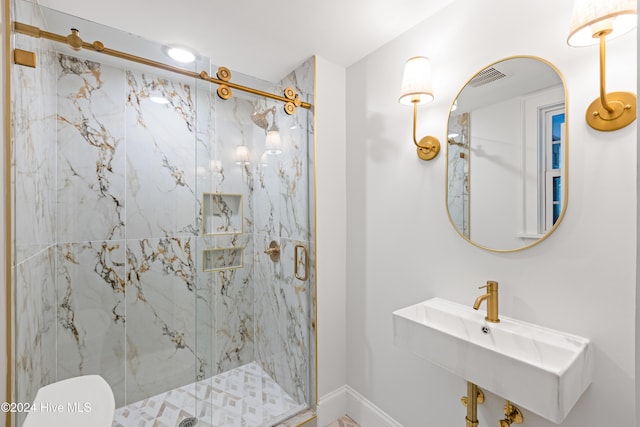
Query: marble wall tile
(284,305)
(224,306)
(234,290)
(122,188)
(91,162)
(458,189)
(91,312)
(33,213)
(160,151)
(34,161)
(35,334)
(161,315)
(282,184)
(283,322)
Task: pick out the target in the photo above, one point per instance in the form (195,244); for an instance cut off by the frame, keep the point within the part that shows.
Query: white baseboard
(332,406)
(346,400)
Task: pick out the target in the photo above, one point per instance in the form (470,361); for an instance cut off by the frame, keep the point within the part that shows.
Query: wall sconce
(416,89)
(593,21)
(242,155)
(273,143)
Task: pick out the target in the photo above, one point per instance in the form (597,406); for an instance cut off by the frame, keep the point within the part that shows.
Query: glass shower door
(143,207)
(256,214)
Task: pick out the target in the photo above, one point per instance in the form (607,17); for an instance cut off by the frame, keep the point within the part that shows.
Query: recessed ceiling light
(159,100)
(181,54)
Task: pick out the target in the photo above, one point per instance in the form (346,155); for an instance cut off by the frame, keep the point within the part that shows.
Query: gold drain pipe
(470,401)
(290,98)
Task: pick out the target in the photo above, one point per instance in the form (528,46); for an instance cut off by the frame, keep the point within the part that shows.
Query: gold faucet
(492,301)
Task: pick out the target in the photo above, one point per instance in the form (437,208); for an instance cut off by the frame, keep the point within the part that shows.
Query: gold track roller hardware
(224,91)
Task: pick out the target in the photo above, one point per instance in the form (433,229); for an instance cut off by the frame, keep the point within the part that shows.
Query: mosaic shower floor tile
(245,397)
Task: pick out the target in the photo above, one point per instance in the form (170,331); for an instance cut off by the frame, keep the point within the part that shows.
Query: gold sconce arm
(603,72)
(429,146)
(593,21)
(611,111)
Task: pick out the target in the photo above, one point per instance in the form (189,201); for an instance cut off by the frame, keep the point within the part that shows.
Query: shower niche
(138,241)
(222,213)
(222,259)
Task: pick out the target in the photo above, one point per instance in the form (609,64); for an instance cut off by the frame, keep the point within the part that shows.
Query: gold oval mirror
(507,155)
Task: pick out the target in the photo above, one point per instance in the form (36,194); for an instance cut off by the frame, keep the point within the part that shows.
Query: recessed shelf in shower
(222,213)
(222,259)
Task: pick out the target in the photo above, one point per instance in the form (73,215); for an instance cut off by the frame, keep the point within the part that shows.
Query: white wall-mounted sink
(542,370)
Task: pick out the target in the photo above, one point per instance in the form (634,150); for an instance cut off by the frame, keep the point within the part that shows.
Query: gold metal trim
(98,46)
(314,302)
(305,275)
(565,170)
(429,146)
(24,57)
(611,111)
(8,217)
(273,251)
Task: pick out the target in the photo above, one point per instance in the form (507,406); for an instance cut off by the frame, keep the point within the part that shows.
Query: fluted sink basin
(540,369)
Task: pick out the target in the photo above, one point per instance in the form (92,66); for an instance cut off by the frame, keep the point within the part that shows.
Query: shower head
(260,118)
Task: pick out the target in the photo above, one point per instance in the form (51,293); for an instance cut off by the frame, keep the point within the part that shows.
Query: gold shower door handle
(297,262)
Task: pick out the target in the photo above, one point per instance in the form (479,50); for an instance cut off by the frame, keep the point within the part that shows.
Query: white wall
(495,175)
(331,211)
(402,248)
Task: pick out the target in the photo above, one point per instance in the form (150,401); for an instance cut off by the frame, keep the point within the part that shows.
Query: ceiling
(265,39)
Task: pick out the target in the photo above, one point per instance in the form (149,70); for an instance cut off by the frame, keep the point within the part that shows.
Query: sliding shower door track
(223,75)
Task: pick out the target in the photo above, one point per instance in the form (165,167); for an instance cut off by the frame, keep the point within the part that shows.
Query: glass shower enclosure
(162,237)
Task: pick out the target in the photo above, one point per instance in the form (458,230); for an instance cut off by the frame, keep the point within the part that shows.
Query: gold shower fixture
(223,76)
(416,89)
(593,21)
(273,142)
(260,118)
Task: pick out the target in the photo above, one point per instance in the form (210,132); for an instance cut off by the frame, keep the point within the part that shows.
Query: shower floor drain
(189,422)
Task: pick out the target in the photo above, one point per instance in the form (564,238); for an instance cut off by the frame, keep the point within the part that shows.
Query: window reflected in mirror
(507,155)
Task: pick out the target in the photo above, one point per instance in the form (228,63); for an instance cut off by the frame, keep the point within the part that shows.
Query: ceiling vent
(486,76)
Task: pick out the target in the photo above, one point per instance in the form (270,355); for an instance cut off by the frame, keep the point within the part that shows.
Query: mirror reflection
(507,155)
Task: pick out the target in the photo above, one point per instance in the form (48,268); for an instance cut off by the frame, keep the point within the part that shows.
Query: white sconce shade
(273,143)
(591,17)
(416,81)
(264,160)
(242,155)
